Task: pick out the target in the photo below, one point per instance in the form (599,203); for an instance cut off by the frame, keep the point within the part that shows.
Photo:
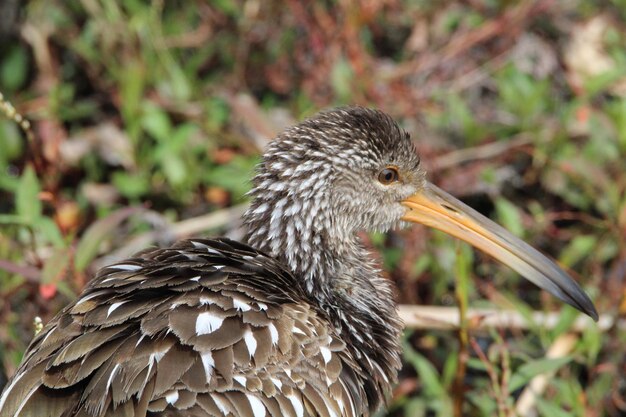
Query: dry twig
(447,318)
(182,229)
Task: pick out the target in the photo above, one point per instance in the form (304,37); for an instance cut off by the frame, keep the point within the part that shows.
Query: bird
(295,320)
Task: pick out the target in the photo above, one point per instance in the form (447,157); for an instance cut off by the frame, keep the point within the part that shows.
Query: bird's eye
(388,175)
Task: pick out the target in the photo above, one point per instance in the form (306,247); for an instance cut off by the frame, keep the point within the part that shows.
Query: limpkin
(296,322)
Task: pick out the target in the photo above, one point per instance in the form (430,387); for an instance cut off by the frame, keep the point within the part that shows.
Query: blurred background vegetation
(149,118)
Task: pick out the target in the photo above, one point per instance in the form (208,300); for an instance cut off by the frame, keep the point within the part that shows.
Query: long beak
(435,208)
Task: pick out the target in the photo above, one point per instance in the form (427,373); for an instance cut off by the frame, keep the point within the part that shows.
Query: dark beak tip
(584,304)
(592,312)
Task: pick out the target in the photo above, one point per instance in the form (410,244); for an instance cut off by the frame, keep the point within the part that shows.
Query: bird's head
(353,169)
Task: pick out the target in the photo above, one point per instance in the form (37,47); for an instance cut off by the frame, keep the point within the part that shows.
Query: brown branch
(30,273)
(485,151)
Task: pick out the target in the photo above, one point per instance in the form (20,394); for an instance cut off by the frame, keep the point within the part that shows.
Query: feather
(223,359)
(206,402)
(229,333)
(172,366)
(85,343)
(241,403)
(314,402)
(186,400)
(94,359)
(195,377)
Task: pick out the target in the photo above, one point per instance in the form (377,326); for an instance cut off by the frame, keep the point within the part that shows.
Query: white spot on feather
(273,333)
(308,182)
(113,372)
(297,405)
(350,399)
(341,404)
(298,330)
(240,305)
(208,322)
(157,356)
(208,363)
(220,404)
(43,341)
(326,354)
(293,209)
(241,379)
(196,279)
(126,267)
(258,409)
(114,307)
(140,339)
(278,383)
(261,209)
(5,395)
(171,397)
(24,401)
(381,372)
(329,407)
(250,341)
(90,296)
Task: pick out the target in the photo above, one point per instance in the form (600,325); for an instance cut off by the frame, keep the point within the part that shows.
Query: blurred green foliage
(511,110)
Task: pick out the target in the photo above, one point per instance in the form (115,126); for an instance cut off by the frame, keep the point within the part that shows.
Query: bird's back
(205,328)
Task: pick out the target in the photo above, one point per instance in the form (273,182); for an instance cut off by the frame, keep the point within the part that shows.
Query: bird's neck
(339,275)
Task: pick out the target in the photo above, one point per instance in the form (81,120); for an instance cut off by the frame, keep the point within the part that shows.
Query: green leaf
(578,249)
(180,87)
(509,216)
(14,69)
(391,257)
(157,123)
(55,267)
(174,169)
(88,246)
(27,203)
(131,185)
(601,82)
(449,369)
(11,219)
(421,264)
(476,364)
(551,409)
(234,177)
(427,373)
(217,112)
(567,317)
(592,343)
(49,229)
(484,402)
(415,407)
(132,84)
(341,78)
(531,369)
(11,142)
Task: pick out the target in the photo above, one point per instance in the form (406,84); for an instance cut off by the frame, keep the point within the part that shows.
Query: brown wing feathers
(206,328)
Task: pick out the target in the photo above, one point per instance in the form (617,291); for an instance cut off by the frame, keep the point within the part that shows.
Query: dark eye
(388,175)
